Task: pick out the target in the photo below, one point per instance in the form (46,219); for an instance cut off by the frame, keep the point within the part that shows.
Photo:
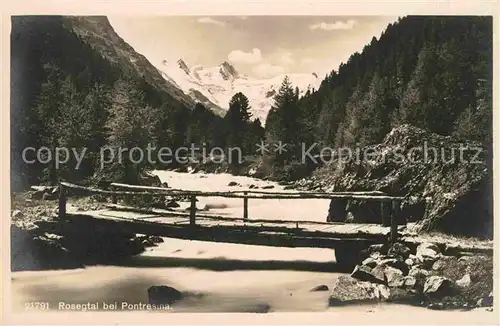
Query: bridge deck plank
(282,226)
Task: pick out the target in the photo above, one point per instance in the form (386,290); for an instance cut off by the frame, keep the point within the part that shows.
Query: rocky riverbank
(447,181)
(40,241)
(423,276)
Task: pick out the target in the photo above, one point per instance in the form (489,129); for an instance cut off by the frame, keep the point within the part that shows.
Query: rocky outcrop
(320,288)
(30,251)
(228,71)
(40,241)
(347,289)
(162,294)
(183,66)
(419,276)
(437,285)
(448,182)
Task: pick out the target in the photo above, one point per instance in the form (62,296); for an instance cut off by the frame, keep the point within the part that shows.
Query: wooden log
(173,190)
(245,207)
(171,213)
(283,195)
(192,211)
(62,201)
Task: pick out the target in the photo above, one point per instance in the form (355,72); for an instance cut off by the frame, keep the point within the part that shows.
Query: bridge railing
(136,190)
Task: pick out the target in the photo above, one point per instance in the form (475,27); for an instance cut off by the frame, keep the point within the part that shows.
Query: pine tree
(419,99)
(237,125)
(48,112)
(371,115)
(131,124)
(285,121)
(349,134)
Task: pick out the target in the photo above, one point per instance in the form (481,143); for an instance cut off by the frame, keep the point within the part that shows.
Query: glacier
(214,86)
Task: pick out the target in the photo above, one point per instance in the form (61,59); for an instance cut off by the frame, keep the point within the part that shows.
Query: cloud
(266,70)
(209,20)
(338,25)
(286,59)
(238,56)
(307,61)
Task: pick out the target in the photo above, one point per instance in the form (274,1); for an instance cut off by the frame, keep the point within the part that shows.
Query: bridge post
(114,199)
(192,211)
(245,207)
(394,220)
(62,201)
(385,218)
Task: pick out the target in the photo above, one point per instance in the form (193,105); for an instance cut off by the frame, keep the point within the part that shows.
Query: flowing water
(216,277)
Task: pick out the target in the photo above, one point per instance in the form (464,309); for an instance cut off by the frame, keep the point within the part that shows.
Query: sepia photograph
(252,164)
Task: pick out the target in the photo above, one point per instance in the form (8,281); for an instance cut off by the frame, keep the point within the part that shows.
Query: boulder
(156,239)
(268,187)
(162,294)
(399,295)
(375,255)
(319,288)
(381,291)
(427,254)
(427,249)
(370,262)
(399,250)
(374,251)
(393,276)
(420,276)
(418,272)
(410,282)
(464,282)
(17,213)
(396,263)
(437,285)
(365,273)
(409,262)
(445,262)
(233,184)
(148,243)
(171,204)
(348,290)
(149,179)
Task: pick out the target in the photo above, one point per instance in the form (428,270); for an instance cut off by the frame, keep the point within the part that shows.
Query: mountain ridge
(98,32)
(214,86)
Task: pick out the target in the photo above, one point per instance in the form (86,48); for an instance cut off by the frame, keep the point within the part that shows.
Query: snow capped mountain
(215,86)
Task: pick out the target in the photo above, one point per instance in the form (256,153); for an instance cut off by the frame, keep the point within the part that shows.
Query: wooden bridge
(205,226)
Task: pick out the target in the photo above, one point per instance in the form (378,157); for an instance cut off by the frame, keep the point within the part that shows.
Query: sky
(258,46)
